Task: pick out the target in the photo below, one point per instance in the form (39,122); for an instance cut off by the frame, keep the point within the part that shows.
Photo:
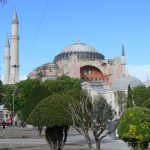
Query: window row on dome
(81,55)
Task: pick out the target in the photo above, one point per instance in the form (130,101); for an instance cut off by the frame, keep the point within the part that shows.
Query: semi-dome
(46,66)
(79,47)
(124,81)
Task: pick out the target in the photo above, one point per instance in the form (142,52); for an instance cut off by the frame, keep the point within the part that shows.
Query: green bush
(134,127)
(52,111)
(38,93)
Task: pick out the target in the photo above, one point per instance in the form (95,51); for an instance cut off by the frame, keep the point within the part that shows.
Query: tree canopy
(47,88)
(21,92)
(102,111)
(121,100)
(138,96)
(7,96)
(134,127)
(38,93)
(52,111)
(129,97)
(62,84)
(1,92)
(87,115)
(146,104)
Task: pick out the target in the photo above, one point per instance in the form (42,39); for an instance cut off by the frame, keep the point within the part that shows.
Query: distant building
(84,62)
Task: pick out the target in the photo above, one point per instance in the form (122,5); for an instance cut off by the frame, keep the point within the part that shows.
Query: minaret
(15,50)
(7,62)
(123,62)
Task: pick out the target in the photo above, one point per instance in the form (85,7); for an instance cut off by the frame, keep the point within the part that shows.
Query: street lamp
(14,66)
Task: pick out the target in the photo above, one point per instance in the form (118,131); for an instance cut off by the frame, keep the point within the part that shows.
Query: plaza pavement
(29,139)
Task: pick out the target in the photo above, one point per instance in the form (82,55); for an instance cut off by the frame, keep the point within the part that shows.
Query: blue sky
(45,30)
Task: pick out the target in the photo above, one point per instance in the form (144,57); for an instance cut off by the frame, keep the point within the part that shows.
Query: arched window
(67,55)
(82,55)
(90,55)
(96,55)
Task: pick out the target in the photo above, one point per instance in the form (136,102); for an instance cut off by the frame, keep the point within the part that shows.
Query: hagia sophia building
(80,60)
(98,75)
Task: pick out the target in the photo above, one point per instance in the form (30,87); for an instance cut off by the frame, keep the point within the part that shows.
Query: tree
(129,97)
(7,96)
(51,112)
(81,112)
(43,89)
(121,99)
(55,95)
(138,96)
(21,91)
(134,127)
(62,84)
(102,114)
(88,115)
(38,93)
(146,104)
(1,92)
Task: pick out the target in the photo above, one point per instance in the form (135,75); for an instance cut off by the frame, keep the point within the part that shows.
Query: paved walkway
(27,139)
(107,143)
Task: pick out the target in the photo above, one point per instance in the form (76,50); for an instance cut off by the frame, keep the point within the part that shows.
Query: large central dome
(79,47)
(81,50)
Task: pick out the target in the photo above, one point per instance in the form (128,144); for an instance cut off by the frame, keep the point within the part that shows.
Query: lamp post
(14,66)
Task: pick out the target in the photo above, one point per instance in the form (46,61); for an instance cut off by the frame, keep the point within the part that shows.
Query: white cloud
(140,71)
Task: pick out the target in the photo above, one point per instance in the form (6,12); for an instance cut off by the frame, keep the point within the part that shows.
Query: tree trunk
(96,138)
(40,130)
(97,145)
(88,140)
(55,137)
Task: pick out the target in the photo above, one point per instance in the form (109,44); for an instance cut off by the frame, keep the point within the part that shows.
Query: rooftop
(79,47)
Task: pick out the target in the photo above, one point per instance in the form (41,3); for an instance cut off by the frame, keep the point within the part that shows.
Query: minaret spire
(15,17)
(123,53)
(15,49)
(123,62)
(7,62)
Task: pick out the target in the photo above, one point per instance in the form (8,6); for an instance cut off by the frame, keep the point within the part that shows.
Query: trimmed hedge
(52,111)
